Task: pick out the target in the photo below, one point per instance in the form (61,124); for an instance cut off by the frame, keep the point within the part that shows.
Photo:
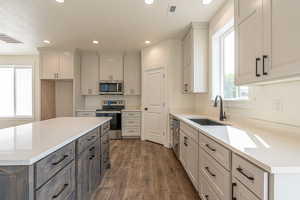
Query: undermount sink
(207,122)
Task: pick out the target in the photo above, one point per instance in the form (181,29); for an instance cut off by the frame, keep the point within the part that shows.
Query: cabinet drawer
(60,187)
(87,140)
(129,131)
(218,177)
(189,131)
(50,165)
(217,151)
(131,115)
(240,192)
(206,191)
(251,176)
(105,143)
(105,128)
(86,114)
(131,122)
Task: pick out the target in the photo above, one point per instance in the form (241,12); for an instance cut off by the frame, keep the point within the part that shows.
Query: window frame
(19,66)
(218,72)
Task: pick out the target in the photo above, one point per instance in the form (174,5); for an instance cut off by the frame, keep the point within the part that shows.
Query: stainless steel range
(113,108)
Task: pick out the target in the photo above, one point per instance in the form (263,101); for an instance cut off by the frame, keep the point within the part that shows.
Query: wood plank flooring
(144,171)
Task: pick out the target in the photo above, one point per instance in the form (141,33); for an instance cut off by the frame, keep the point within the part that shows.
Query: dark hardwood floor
(144,171)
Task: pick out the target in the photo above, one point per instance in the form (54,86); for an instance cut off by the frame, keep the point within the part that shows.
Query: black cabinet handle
(243,173)
(212,174)
(92,148)
(210,148)
(264,59)
(91,138)
(59,161)
(233,185)
(61,191)
(256,67)
(92,157)
(206,197)
(185,141)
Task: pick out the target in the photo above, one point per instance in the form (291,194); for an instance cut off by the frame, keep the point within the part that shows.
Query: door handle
(264,59)
(146,109)
(256,67)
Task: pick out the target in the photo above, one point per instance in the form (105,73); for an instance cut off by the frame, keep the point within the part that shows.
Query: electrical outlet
(277,105)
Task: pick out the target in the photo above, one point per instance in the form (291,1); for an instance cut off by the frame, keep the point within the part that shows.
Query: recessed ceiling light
(206,2)
(95,42)
(149,1)
(147,42)
(47,41)
(60,1)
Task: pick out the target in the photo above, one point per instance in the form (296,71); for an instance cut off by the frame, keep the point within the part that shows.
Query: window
(223,65)
(16,91)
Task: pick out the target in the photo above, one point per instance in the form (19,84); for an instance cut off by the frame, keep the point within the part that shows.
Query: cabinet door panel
(249,40)
(132,74)
(192,160)
(242,193)
(83,166)
(89,73)
(285,44)
(66,66)
(49,64)
(111,67)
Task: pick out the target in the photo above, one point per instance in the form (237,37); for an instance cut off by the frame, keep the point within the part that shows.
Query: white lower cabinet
(240,192)
(131,123)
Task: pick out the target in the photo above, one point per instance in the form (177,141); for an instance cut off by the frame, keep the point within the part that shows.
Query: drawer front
(60,187)
(128,131)
(86,140)
(50,165)
(131,122)
(105,143)
(240,192)
(218,177)
(105,128)
(131,115)
(206,191)
(86,114)
(217,151)
(189,131)
(251,176)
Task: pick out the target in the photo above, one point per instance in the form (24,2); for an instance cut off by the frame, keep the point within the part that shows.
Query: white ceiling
(119,25)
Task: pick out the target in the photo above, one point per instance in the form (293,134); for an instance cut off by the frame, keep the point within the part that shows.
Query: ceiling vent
(7,39)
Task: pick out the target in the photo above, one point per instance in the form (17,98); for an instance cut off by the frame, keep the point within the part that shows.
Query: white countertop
(275,153)
(28,143)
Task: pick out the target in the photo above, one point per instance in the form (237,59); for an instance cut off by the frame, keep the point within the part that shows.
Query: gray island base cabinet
(72,172)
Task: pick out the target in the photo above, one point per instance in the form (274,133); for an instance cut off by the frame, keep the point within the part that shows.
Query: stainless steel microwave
(111,87)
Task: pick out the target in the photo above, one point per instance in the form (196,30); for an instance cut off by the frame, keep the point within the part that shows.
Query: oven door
(115,122)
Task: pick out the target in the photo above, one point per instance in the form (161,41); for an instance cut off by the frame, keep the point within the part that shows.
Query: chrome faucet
(222,113)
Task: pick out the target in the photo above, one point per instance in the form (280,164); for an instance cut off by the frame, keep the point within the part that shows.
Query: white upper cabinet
(132,74)
(111,67)
(282,45)
(249,40)
(56,64)
(195,59)
(89,73)
(267,40)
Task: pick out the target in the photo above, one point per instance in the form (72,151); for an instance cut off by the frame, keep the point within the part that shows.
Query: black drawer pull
(185,141)
(92,148)
(212,174)
(243,173)
(59,161)
(264,59)
(256,67)
(206,197)
(61,191)
(91,138)
(92,157)
(233,185)
(210,148)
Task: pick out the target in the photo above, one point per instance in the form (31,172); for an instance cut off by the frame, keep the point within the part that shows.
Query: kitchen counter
(275,153)
(28,143)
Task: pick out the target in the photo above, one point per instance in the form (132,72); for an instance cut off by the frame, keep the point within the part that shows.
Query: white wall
(279,103)
(24,60)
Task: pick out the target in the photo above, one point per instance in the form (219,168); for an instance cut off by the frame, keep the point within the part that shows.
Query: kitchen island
(61,158)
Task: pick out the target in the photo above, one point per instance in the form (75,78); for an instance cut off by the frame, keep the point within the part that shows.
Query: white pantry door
(154,126)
